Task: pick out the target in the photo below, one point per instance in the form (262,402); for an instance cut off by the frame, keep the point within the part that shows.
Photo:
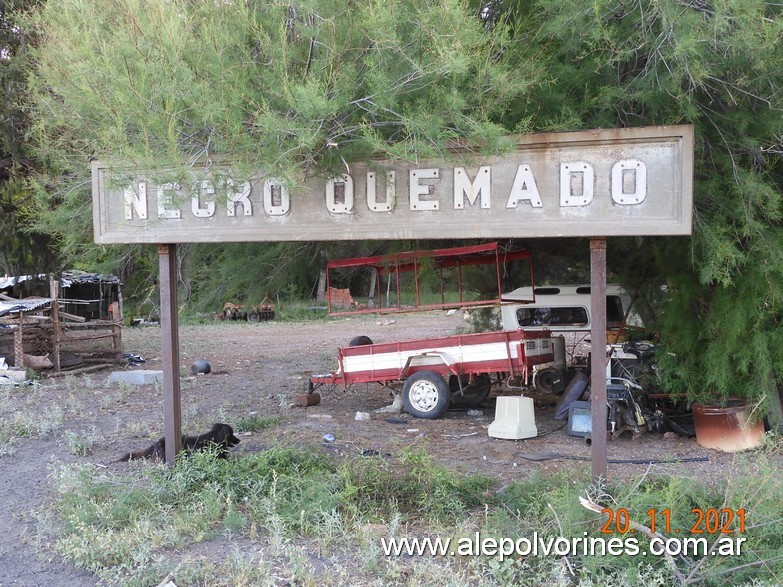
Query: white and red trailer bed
(435,369)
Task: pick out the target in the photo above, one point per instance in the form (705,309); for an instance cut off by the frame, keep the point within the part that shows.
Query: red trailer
(434,370)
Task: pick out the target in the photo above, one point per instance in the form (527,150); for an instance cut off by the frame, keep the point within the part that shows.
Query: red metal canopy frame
(398,264)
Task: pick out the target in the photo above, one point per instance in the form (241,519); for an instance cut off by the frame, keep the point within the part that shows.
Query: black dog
(219,438)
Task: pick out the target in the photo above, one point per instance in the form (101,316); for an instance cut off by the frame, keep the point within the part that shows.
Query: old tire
(360,341)
(544,380)
(425,394)
(473,393)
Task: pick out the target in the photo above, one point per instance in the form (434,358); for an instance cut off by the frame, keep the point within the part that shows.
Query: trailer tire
(472,393)
(425,394)
(360,341)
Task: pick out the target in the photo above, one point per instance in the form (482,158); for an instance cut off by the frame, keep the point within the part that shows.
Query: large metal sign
(613,182)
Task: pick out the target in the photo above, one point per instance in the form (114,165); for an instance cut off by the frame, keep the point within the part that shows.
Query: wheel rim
(423,396)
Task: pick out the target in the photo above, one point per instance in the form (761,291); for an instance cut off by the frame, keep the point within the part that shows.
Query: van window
(551,316)
(563,316)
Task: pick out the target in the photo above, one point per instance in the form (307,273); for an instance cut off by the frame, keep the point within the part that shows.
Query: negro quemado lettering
(627,186)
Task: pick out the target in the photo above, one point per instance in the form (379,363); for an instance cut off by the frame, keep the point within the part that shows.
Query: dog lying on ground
(219,438)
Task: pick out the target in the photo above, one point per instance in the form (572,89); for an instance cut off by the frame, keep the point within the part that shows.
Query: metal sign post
(172,406)
(598,356)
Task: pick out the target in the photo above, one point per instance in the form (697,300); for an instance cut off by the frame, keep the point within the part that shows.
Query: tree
(716,65)
(279,87)
(22,250)
(295,88)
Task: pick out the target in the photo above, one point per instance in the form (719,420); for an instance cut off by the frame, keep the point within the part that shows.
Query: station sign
(606,182)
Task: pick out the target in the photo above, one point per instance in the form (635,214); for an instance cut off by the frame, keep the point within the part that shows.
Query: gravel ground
(261,369)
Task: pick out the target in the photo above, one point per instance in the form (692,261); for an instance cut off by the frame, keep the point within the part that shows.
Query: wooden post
(19,342)
(598,356)
(116,326)
(119,318)
(54,293)
(172,407)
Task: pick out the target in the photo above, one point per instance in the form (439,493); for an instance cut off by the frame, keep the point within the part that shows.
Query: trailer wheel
(472,393)
(425,394)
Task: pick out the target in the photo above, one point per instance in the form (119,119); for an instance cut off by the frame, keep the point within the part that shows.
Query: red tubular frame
(484,254)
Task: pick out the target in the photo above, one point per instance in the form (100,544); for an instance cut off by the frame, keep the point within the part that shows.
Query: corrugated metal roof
(76,276)
(27,305)
(67,278)
(6,282)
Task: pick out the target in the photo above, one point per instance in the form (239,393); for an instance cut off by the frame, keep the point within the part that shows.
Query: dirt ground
(260,369)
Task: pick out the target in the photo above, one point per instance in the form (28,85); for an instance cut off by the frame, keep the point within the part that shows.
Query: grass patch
(254,422)
(81,443)
(376,489)
(37,423)
(548,507)
(300,310)
(296,513)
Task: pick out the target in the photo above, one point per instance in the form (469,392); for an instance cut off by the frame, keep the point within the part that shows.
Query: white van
(565,311)
(560,308)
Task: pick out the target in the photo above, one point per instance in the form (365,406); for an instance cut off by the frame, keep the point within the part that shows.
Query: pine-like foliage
(303,87)
(283,87)
(719,66)
(22,250)
(290,89)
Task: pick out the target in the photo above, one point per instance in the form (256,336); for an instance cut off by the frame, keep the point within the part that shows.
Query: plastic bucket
(728,428)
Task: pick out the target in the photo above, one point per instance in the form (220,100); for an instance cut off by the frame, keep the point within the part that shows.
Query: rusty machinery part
(263,312)
(260,315)
(232,311)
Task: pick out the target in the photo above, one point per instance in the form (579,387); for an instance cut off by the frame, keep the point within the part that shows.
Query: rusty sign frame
(616,182)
